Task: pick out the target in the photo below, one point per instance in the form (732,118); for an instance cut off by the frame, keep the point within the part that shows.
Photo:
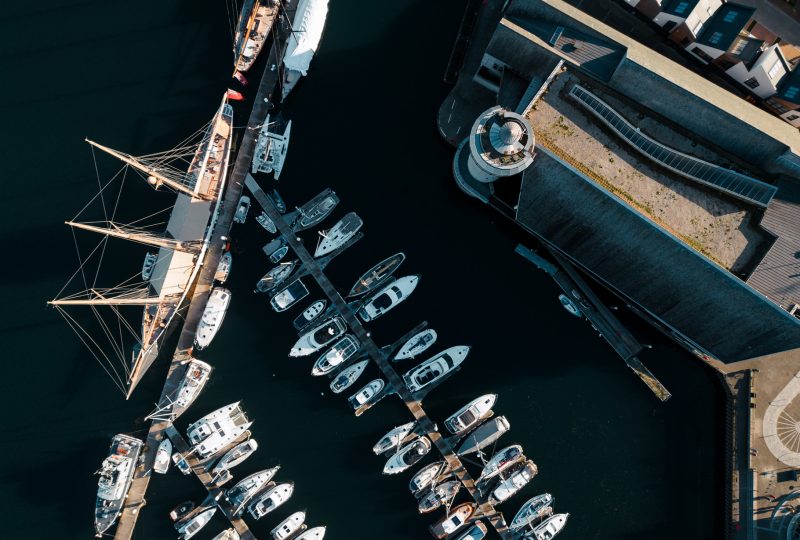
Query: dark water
(141,76)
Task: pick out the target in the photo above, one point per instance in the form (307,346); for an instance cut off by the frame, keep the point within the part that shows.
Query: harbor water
(141,76)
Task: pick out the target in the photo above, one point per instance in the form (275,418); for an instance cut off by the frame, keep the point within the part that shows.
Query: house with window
(684,19)
(762,72)
(786,101)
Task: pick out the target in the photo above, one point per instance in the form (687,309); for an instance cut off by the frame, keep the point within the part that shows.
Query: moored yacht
(476,532)
(307,28)
(338,235)
(161,464)
(394,438)
(408,456)
(426,476)
(486,434)
(276,276)
(116,474)
(549,527)
(367,394)
(213,315)
(417,344)
(435,368)
(318,337)
(309,314)
(340,352)
(191,527)
(501,461)
(315,210)
(515,481)
(317,533)
(289,526)
(235,456)
(224,267)
(252,30)
(532,510)
(192,383)
(389,297)
(438,495)
(375,275)
(241,493)
(348,376)
(289,296)
(270,499)
(227,534)
(454,520)
(217,430)
(471,414)
(263,220)
(271,148)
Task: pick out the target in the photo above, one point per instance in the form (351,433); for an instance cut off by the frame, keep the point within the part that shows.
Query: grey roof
(651,267)
(513,49)
(724,25)
(681,8)
(789,88)
(778,273)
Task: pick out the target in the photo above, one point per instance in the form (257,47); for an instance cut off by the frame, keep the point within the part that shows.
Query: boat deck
(394,381)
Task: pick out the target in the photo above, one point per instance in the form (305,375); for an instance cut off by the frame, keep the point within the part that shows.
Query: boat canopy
(306,33)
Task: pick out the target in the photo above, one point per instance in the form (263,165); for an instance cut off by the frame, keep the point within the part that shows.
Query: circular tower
(500,144)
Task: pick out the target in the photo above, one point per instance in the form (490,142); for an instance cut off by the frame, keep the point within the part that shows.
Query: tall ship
(181,246)
(309,23)
(252,31)
(116,475)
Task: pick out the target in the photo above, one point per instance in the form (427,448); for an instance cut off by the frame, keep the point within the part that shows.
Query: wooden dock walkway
(394,381)
(204,283)
(610,328)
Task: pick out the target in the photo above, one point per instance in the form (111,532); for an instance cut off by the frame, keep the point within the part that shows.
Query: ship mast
(97,298)
(129,233)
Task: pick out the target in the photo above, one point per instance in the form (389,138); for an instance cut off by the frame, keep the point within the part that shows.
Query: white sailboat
(271,149)
(309,23)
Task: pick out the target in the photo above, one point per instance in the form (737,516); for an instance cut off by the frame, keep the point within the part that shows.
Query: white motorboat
(189,528)
(227,534)
(289,526)
(309,314)
(438,495)
(501,461)
(348,376)
(435,368)
(271,148)
(408,456)
(289,296)
(486,434)
(476,532)
(235,456)
(181,511)
(376,275)
(549,528)
(338,235)
(569,305)
(278,255)
(319,336)
(315,210)
(240,494)
(224,267)
(394,438)
(426,476)
(116,474)
(417,344)
(217,430)
(242,209)
(213,315)
(531,511)
(270,499)
(276,276)
(317,533)
(264,221)
(149,265)
(339,353)
(453,521)
(515,481)
(161,464)
(471,414)
(195,378)
(367,393)
(389,297)
(303,41)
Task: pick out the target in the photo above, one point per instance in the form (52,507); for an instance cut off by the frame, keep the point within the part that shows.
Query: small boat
(212,318)
(367,393)
(161,464)
(217,430)
(426,476)
(453,520)
(435,368)
(532,510)
(278,255)
(270,499)
(548,528)
(339,353)
(264,221)
(224,267)
(181,464)
(408,456)
(389,297)
(227,534)
(339,234)
(437,496)
(476,532)
(252,31)
(393,438)
(303,41)
(515,482)
(235,456)
(195,378)
(240,494)
(471,414)
(315,210)
(271,148)
(233,95)
(277,200)
(149,265)
(181,511)
(318,337)
(189,528)
(273,245)
(116,475)
(501,461)
(417,344)
(347,377)
(289,526)
(309,314)
(375,275)
(289,296)
(242,209)
(569,305)
(276,276)
(317,533)
(486,434)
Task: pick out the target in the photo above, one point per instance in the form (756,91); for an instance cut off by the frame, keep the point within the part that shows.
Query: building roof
(679,8)
(789,87)
(724,25)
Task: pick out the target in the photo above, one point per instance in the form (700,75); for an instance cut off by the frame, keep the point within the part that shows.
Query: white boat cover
(309,21)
